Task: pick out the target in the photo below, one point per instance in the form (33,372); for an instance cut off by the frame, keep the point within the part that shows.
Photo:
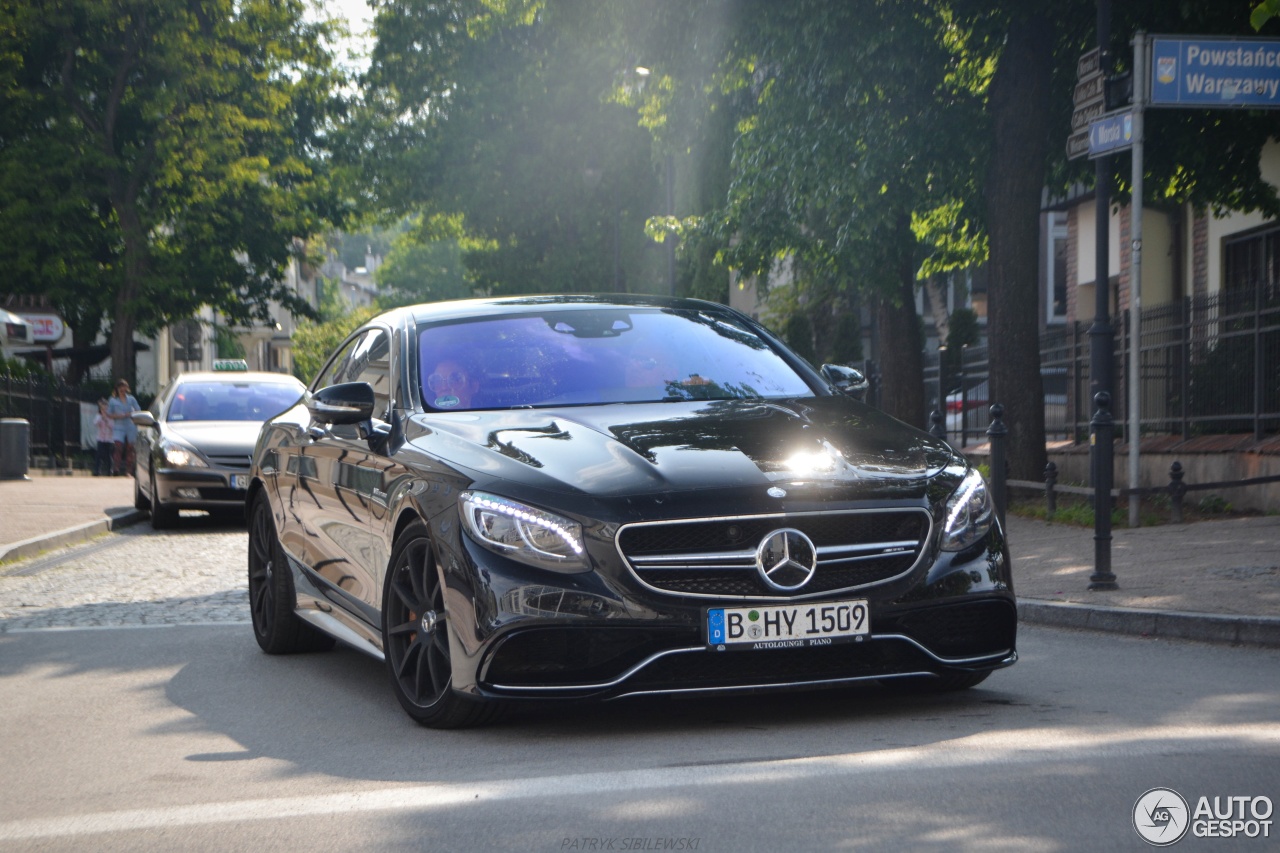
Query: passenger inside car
(453,383)
(193,407)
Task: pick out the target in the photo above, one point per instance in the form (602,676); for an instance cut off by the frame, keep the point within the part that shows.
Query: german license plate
(787,626)
(239,481)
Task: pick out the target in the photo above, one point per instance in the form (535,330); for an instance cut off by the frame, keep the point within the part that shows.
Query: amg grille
(717,557)
(965,630)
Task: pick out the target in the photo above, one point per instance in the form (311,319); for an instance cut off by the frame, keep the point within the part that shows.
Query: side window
(371,362)
(337,370)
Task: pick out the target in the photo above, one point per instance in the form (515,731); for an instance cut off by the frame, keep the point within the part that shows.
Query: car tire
(140,501)
(415,639)
(944,683)
(162,517)
(272,600)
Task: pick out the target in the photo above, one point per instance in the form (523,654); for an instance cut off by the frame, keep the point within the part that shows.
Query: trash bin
(15,448)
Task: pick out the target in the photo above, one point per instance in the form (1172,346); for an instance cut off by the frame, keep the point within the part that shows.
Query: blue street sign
(1110,133)
(1215,72)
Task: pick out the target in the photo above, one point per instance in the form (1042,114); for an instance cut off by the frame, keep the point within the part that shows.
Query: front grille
(213,493)
(708,669)
(241,463)
(717,557)
(578,655)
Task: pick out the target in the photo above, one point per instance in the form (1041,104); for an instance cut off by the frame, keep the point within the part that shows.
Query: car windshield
(231,401)
(599,355)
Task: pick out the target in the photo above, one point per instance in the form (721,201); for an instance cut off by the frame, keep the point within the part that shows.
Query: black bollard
(1050,496)
(1102,428)
(1177,490)
(937,427)
(997,434)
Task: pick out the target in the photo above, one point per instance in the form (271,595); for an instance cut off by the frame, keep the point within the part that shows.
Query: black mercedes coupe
(594,497)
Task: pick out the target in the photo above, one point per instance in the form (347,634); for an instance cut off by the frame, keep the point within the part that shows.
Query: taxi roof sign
(230,365)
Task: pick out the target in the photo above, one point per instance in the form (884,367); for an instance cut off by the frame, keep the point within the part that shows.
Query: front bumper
(533,634)
(202,488)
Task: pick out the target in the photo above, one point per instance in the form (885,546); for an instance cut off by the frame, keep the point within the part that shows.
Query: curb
(1170,624)
(70,536)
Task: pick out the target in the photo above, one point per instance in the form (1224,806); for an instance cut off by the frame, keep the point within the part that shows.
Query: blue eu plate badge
(715,627)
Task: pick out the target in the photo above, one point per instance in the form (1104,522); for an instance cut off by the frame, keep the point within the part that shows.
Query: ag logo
(1161,817)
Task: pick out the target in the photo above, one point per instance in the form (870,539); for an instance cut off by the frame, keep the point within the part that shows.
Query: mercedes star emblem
(786,559)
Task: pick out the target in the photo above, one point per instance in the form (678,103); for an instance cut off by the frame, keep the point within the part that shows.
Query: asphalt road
(167,729)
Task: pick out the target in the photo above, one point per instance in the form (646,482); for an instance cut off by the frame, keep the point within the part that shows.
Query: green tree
(853,124)
(797,331)
(1205,158)
(159,155)
(424,265)
(505,120)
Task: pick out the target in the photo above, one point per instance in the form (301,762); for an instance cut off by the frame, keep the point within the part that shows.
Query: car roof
(498,305)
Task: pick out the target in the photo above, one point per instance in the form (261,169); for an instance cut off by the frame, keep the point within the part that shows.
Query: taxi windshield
(231,401)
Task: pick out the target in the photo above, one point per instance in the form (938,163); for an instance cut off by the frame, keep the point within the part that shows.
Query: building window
(1252,265)
(1055,297)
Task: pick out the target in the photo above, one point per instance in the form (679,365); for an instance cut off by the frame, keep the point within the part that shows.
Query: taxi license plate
(239,481)
(787,626)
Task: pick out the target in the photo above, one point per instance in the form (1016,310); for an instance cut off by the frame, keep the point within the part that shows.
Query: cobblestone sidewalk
(133,577)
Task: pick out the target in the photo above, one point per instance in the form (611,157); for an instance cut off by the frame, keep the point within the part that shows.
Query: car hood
(217,438)
(664,447)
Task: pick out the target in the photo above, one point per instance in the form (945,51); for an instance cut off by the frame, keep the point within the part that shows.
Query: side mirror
(143,419)
(846,380)
(348,403)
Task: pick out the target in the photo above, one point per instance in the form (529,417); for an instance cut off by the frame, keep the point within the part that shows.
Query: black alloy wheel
(276,626)
(415,638)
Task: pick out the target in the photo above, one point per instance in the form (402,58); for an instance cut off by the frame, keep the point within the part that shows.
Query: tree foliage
(425,265)
(854,124)
(870,143)
(160,155)
(500,114)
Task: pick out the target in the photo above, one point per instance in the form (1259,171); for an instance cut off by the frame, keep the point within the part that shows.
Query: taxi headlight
(969,514)
(524,533)
(179,456)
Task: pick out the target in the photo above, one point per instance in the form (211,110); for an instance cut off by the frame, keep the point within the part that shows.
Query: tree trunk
(1019,108)
(936,287)
(135,265)
(901,347)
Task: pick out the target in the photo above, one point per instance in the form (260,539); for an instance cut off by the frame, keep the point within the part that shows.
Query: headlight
(523,533)
(969,514)
(177,456)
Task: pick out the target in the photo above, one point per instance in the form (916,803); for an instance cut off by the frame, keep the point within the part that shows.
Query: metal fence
(1208,364)
(54,412)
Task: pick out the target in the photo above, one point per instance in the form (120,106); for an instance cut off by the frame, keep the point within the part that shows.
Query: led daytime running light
(960,503)
(526,516)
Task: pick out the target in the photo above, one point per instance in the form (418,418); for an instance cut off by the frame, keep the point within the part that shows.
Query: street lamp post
(1101,343)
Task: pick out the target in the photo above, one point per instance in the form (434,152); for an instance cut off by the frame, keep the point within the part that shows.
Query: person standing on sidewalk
(123,430)
(103,424)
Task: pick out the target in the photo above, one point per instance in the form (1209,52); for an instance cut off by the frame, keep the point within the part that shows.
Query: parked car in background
(971,411)
(196,442)
(968,410)
(588,497)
